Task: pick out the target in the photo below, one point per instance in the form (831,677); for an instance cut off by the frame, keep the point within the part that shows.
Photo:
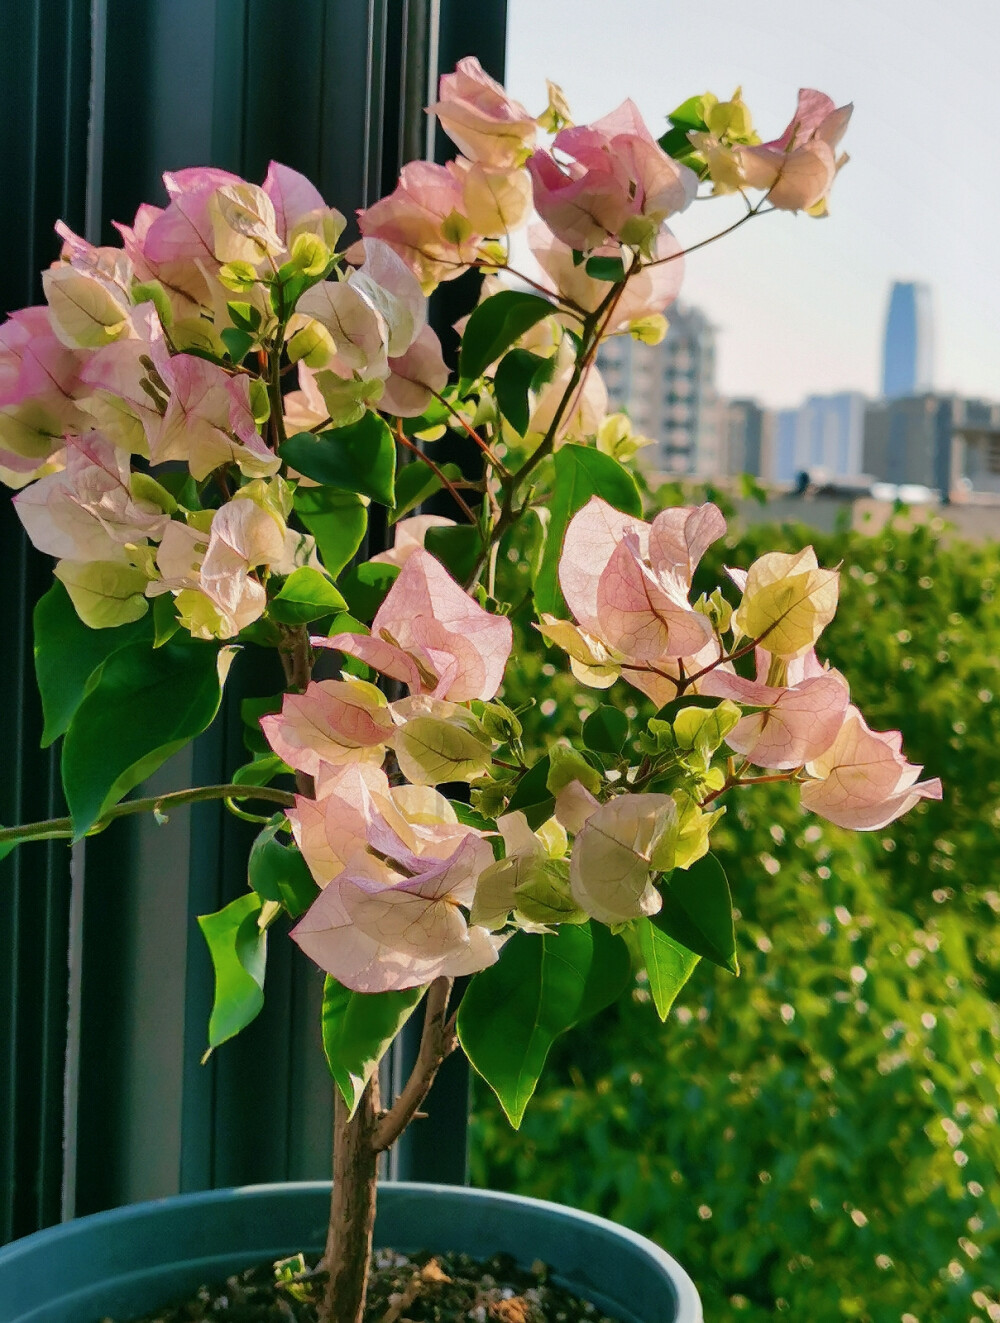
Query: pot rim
(687,1302)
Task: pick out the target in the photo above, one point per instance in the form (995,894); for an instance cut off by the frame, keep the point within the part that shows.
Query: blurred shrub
(819,1137)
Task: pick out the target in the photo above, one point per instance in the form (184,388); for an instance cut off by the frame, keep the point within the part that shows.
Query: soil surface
(418,1288)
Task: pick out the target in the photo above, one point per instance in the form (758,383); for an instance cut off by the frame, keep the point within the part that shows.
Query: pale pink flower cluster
(438,216)
(795,170)
(409,892)
(113,367)
(397,869)
(398,873)
(607,181)
(627,584)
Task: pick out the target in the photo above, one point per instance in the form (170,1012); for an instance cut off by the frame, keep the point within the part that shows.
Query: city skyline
(800,304)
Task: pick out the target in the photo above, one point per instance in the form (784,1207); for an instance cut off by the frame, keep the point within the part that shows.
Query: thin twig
(554,295)
(738,784)
(56,828)
(703,243)
(448,485)
(484,446)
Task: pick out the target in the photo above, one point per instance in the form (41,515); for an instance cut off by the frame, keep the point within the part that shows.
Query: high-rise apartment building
(668,391)
(748,441)
(908,346)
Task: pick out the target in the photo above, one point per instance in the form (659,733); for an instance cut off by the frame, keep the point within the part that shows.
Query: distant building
(907,349)
(939,441)
(977,443)
(826,434)
(748,439)
(668,391)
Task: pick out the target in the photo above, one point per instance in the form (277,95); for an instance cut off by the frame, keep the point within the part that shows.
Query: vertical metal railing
(44,89)
(97,98)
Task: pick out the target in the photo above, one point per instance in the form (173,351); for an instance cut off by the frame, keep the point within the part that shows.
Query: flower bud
(556,114)
(310,254)
(312,344)
(237,276)
(347,398)
(566,766)
(650,330)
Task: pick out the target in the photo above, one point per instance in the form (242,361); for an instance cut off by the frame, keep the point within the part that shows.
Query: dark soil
(419,1288)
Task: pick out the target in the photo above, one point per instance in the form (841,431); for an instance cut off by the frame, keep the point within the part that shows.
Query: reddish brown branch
(484,446)
(446,483)
(437,1041)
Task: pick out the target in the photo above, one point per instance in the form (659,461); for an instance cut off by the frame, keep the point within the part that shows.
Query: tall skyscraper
(906,355)
(668,391)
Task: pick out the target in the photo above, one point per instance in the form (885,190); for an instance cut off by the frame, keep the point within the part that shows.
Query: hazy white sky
(800,303)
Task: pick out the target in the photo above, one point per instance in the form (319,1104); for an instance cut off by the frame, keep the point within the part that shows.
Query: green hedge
(819,1137)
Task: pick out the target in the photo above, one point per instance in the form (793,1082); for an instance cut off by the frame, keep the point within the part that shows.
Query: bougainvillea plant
(195,503)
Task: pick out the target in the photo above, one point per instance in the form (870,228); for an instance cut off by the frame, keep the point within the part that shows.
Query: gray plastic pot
(137,1258)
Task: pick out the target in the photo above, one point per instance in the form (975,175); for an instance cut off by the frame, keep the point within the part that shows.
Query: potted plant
(196,506)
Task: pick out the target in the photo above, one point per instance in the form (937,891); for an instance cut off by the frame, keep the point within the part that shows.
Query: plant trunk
(352,1208)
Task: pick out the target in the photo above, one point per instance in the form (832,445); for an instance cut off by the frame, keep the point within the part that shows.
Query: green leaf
(698,912)
(518,372)
(690,114)
(580,473)
(457,549)
(305,595)
(541,986)
(69,655)
(668,964)
(365,587)
(669,710)
(675,142)
(611,269)
(6,847)
(251,711)
(494,326)
(415,483)
(532,796)
(244,316)
(610,971)
(165,621)
(237,342)
(360,458)
(261,771)
(289,288)
(436,414)
(358,1028)
(239,951)
(182,487)
(703,732)
(144,706)
(337,520)
(606,730)
(278,872)
(471,818)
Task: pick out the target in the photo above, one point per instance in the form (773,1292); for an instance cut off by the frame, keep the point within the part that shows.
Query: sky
(799,304)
